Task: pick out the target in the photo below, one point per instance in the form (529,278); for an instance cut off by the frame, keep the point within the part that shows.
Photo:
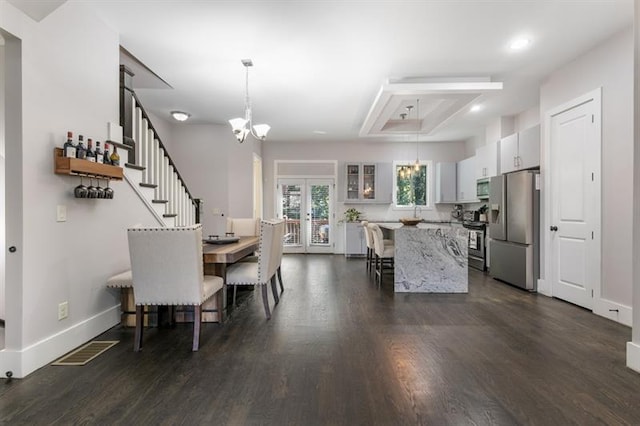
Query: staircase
(148,168)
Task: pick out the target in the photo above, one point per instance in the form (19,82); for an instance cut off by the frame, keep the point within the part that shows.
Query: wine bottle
(98,152)
(115,157)
(91,156)
(106,159)
(81,151)
(69,149)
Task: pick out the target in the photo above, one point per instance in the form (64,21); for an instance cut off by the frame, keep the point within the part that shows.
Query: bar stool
(384,251)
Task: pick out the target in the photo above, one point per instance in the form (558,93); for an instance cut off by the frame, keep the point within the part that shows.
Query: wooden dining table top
(229,253)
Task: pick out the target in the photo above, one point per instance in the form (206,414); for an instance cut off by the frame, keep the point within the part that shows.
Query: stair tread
(148,185)
(134,166)
(170,215)
(159,201)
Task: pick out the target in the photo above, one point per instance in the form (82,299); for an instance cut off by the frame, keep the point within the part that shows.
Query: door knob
(553,228)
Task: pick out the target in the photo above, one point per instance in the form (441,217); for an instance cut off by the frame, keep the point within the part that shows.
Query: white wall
(216,168)
(473,143)
(527,118)
(69,81)
(2,180)
(610,66)
(633,347)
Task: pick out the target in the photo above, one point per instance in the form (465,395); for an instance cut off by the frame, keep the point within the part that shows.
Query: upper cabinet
(466,177)
(487,160)
(445,183)
(366,183)
(520,150)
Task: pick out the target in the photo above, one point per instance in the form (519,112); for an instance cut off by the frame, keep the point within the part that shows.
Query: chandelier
(408,170)
(243,126)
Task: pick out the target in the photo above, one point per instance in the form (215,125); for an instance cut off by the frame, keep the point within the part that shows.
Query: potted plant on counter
(352,215)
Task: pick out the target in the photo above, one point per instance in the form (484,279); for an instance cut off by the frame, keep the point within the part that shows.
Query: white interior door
(307,207)
(575,203)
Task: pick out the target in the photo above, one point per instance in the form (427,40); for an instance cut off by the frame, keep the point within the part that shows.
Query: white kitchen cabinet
(355,243)
(466,181)
(529,147)
(509,153)
(487,160)
(445,182)
(365,183)
(520,150)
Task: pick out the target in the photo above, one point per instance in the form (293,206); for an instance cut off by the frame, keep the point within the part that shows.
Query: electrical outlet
(63,310)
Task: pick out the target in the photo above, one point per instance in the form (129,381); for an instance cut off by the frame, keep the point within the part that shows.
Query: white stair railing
(159,173)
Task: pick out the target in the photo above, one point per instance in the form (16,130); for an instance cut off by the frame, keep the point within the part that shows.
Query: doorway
(574,199)
(308,209)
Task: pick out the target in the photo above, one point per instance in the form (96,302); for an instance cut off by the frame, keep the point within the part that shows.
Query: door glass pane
(291,204)
(319,196)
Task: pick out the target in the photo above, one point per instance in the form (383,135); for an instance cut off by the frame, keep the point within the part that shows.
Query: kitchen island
(429,258)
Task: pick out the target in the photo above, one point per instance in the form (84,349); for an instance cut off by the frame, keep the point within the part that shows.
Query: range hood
(440,100)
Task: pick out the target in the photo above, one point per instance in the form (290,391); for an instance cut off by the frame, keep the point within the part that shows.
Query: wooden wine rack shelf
(79,167)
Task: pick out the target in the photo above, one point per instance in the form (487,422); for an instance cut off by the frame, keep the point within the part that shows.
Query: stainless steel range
(476,244)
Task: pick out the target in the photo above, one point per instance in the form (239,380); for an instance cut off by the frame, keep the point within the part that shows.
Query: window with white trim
(411,184)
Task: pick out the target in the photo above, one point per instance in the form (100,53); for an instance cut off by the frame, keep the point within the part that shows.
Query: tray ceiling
(440,100)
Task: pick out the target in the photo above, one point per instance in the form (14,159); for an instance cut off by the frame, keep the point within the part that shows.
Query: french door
(307,207)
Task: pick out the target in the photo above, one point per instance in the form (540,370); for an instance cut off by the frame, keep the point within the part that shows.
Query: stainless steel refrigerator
(514,225)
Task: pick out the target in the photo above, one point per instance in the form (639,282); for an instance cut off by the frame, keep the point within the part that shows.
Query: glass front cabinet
(365,183)
(361,182)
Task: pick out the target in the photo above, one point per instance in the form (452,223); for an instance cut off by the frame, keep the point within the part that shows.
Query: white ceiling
(319,65)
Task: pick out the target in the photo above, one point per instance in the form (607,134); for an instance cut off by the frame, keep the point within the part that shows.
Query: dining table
(216,258)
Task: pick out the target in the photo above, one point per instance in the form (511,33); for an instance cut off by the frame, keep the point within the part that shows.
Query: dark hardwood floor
(340,351)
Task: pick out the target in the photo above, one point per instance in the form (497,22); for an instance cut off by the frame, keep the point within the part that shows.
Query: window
(411,186)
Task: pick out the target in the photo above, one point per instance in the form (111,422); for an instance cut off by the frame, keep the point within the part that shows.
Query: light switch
(61,213)
(216,211)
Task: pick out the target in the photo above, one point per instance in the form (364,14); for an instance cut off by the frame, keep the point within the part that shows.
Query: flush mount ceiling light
(243,126)
(475,108)
(180,116)
(519,43)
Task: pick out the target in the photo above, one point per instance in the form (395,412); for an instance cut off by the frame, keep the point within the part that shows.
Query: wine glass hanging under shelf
(84,168)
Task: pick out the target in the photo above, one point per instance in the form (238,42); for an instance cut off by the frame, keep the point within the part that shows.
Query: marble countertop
(421,225)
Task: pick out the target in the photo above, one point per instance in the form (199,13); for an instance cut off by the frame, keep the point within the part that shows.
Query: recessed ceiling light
(319,132)
(180,116)
(520,43)
(475,108)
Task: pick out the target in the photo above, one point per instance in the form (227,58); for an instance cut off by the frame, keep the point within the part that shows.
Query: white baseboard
(613,311)
(633,356)
(543,289)
(26,361)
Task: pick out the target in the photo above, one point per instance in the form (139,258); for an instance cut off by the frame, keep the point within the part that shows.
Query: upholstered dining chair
(243,227)
(384,251)
(167,269)
(247,228)
(263,271)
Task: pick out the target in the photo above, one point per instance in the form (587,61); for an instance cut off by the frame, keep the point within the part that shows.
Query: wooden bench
(124,282)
